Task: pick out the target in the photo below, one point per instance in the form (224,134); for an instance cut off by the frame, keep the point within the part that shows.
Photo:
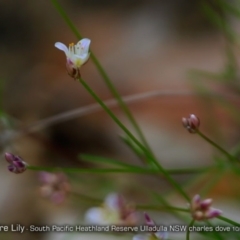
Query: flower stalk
(149,156)
(105,77)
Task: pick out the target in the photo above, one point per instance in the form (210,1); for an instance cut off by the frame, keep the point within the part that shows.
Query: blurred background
(186,50)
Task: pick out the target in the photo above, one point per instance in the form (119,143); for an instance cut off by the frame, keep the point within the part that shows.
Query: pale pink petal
(62,47)
(161,235)
(9,157)
(206,203)
(148,220)
(83,58)
(85,44)
(196,199)
(213,212)
(112,201)
(195,202)
(58,197)
(94,216)
(132,218)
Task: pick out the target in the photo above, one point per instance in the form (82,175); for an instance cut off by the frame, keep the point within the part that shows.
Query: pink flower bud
(72,70)
(17,165)
(148,220)
(191,123)
(212,213)
(201,209)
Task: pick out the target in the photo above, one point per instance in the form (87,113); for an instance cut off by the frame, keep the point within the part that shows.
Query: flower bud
(17,165)
(191,123)
(201,210)
(72,70)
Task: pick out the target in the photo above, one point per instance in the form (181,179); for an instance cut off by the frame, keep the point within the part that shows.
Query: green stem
(148,155)
(121,103)
(137,170)
(228,155)
(161,208)
(66,19)
(117,121)
(217,235)
(103,170)
(214,176)
(188,232)
(91,170)
(86,197)
(105,77)
(147,151)
(229,221)
(103,160)
(189,170)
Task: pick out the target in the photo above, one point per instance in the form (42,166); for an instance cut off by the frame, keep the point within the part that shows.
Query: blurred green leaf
(97,159)
(230,7)
(137,150)
(217,16)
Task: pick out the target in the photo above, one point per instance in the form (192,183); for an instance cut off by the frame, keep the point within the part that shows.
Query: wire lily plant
(199,217)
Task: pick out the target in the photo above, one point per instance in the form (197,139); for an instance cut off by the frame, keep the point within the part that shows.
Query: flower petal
(148,220)
(62,47)
(85,44)
(161,235)
(112,201)
(58,197)
(195,204)
(94,216)
(206,203)
(9,157)
(213,212)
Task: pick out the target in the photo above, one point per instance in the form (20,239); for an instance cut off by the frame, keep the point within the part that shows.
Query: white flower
(114,211)
(76,55)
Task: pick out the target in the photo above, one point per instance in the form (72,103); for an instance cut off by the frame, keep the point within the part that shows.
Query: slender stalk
(136,170)
(111,87)
(149,156)
(215,233)
(117,121)
(87,198)
(91,170)
(228,155)
(66,18)
(161,208)
(215,177)
(188,232)
(121,103)
(105,77)
(229,221)
(189,170)
(102,160)
(176,212)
